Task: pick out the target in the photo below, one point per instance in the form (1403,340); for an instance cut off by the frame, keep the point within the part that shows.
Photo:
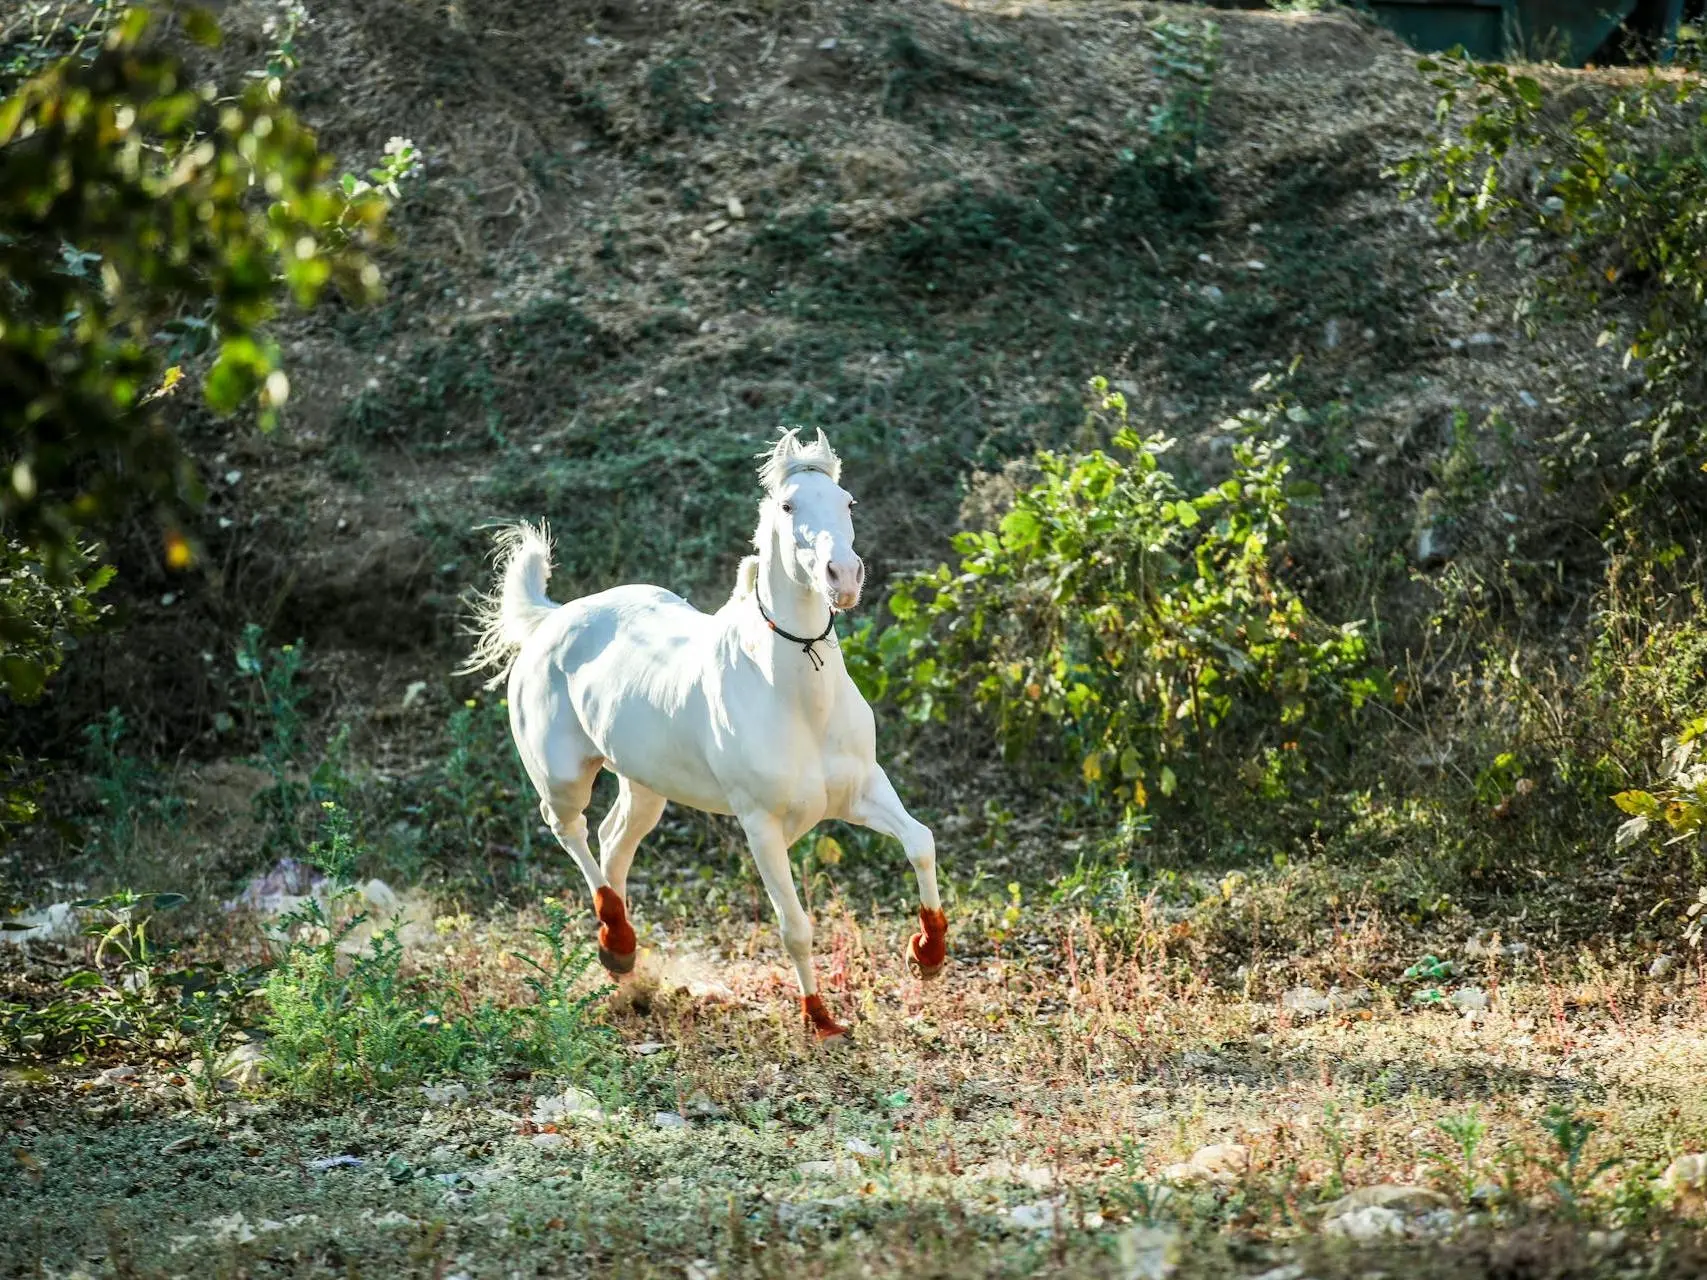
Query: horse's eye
(788,508)
(852,503)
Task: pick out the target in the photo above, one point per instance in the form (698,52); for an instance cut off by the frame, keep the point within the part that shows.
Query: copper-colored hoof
(617,966)
(927,952)
(824,1028)
(617,944)
(923,972)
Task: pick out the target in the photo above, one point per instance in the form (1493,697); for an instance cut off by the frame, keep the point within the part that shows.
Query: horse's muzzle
(845,580)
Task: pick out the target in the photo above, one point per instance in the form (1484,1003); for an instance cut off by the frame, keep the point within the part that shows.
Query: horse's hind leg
(565,811)
(629,821)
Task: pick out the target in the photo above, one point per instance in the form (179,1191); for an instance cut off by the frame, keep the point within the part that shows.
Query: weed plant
(348,1016)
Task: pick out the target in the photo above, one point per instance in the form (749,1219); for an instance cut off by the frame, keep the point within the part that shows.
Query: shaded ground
(1029,1115)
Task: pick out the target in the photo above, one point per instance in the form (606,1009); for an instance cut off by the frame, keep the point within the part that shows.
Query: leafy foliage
(42,614)
(1614,197)
(127,996)
(131,239)
(1118,621)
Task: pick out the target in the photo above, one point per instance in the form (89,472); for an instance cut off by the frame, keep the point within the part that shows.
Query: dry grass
(1027,1114)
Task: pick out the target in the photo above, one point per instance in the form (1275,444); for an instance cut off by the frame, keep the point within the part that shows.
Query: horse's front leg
(879,808)
(770,852)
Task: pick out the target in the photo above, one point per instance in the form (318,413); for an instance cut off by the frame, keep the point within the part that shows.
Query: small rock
(1331,335)
(1662,967)
(336,1162)
(1039,1215)
(1432,547)
(1254,265)
(51,924)
(232,477)
(1482,338)
(1386,1195)
(548,1141)
(860,1147)
(1686,1175)
(827,1168)
(245,1066)
(701,1269)
(571,1103)
(1212,293)
(180,1145)
(118,1074)
(1305,1000)
(1285,1271)
(1148,1253)
(736,209)
(1368,1223)
(669,1120)
(827,44)
(441,1094)
(1529,401)
(646,1048)
(1469,998)
(382,898)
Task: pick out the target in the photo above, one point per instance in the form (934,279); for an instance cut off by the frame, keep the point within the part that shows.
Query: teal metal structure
(1570,32)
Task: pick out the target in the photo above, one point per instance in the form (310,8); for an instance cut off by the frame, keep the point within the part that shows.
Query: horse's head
(811,517)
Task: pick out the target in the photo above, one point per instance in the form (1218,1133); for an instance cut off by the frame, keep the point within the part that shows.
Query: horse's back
(638,614)
(630,664)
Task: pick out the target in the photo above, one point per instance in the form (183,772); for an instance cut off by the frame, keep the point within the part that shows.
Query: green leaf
(201,27)
(1640,804)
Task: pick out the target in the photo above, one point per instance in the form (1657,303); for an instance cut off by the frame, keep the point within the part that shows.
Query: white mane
(790,457)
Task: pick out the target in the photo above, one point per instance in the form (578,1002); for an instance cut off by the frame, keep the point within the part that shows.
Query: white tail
(506,617)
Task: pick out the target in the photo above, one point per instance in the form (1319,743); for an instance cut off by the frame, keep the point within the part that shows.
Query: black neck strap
(806,646)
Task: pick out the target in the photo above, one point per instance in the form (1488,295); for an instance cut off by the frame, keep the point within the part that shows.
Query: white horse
(749,711)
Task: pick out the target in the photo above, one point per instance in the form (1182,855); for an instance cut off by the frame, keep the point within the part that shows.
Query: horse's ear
(775,468)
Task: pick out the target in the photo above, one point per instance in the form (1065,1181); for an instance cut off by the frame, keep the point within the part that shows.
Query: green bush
(1607,204)
(1121,624)
(42,613)
(146,226)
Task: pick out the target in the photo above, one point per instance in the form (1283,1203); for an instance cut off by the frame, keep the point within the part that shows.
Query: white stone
(1148,1253)
(1369,1223)
(572,1103)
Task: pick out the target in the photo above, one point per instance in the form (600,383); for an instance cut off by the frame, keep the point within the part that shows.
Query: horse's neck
(794,608)
(804,613)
